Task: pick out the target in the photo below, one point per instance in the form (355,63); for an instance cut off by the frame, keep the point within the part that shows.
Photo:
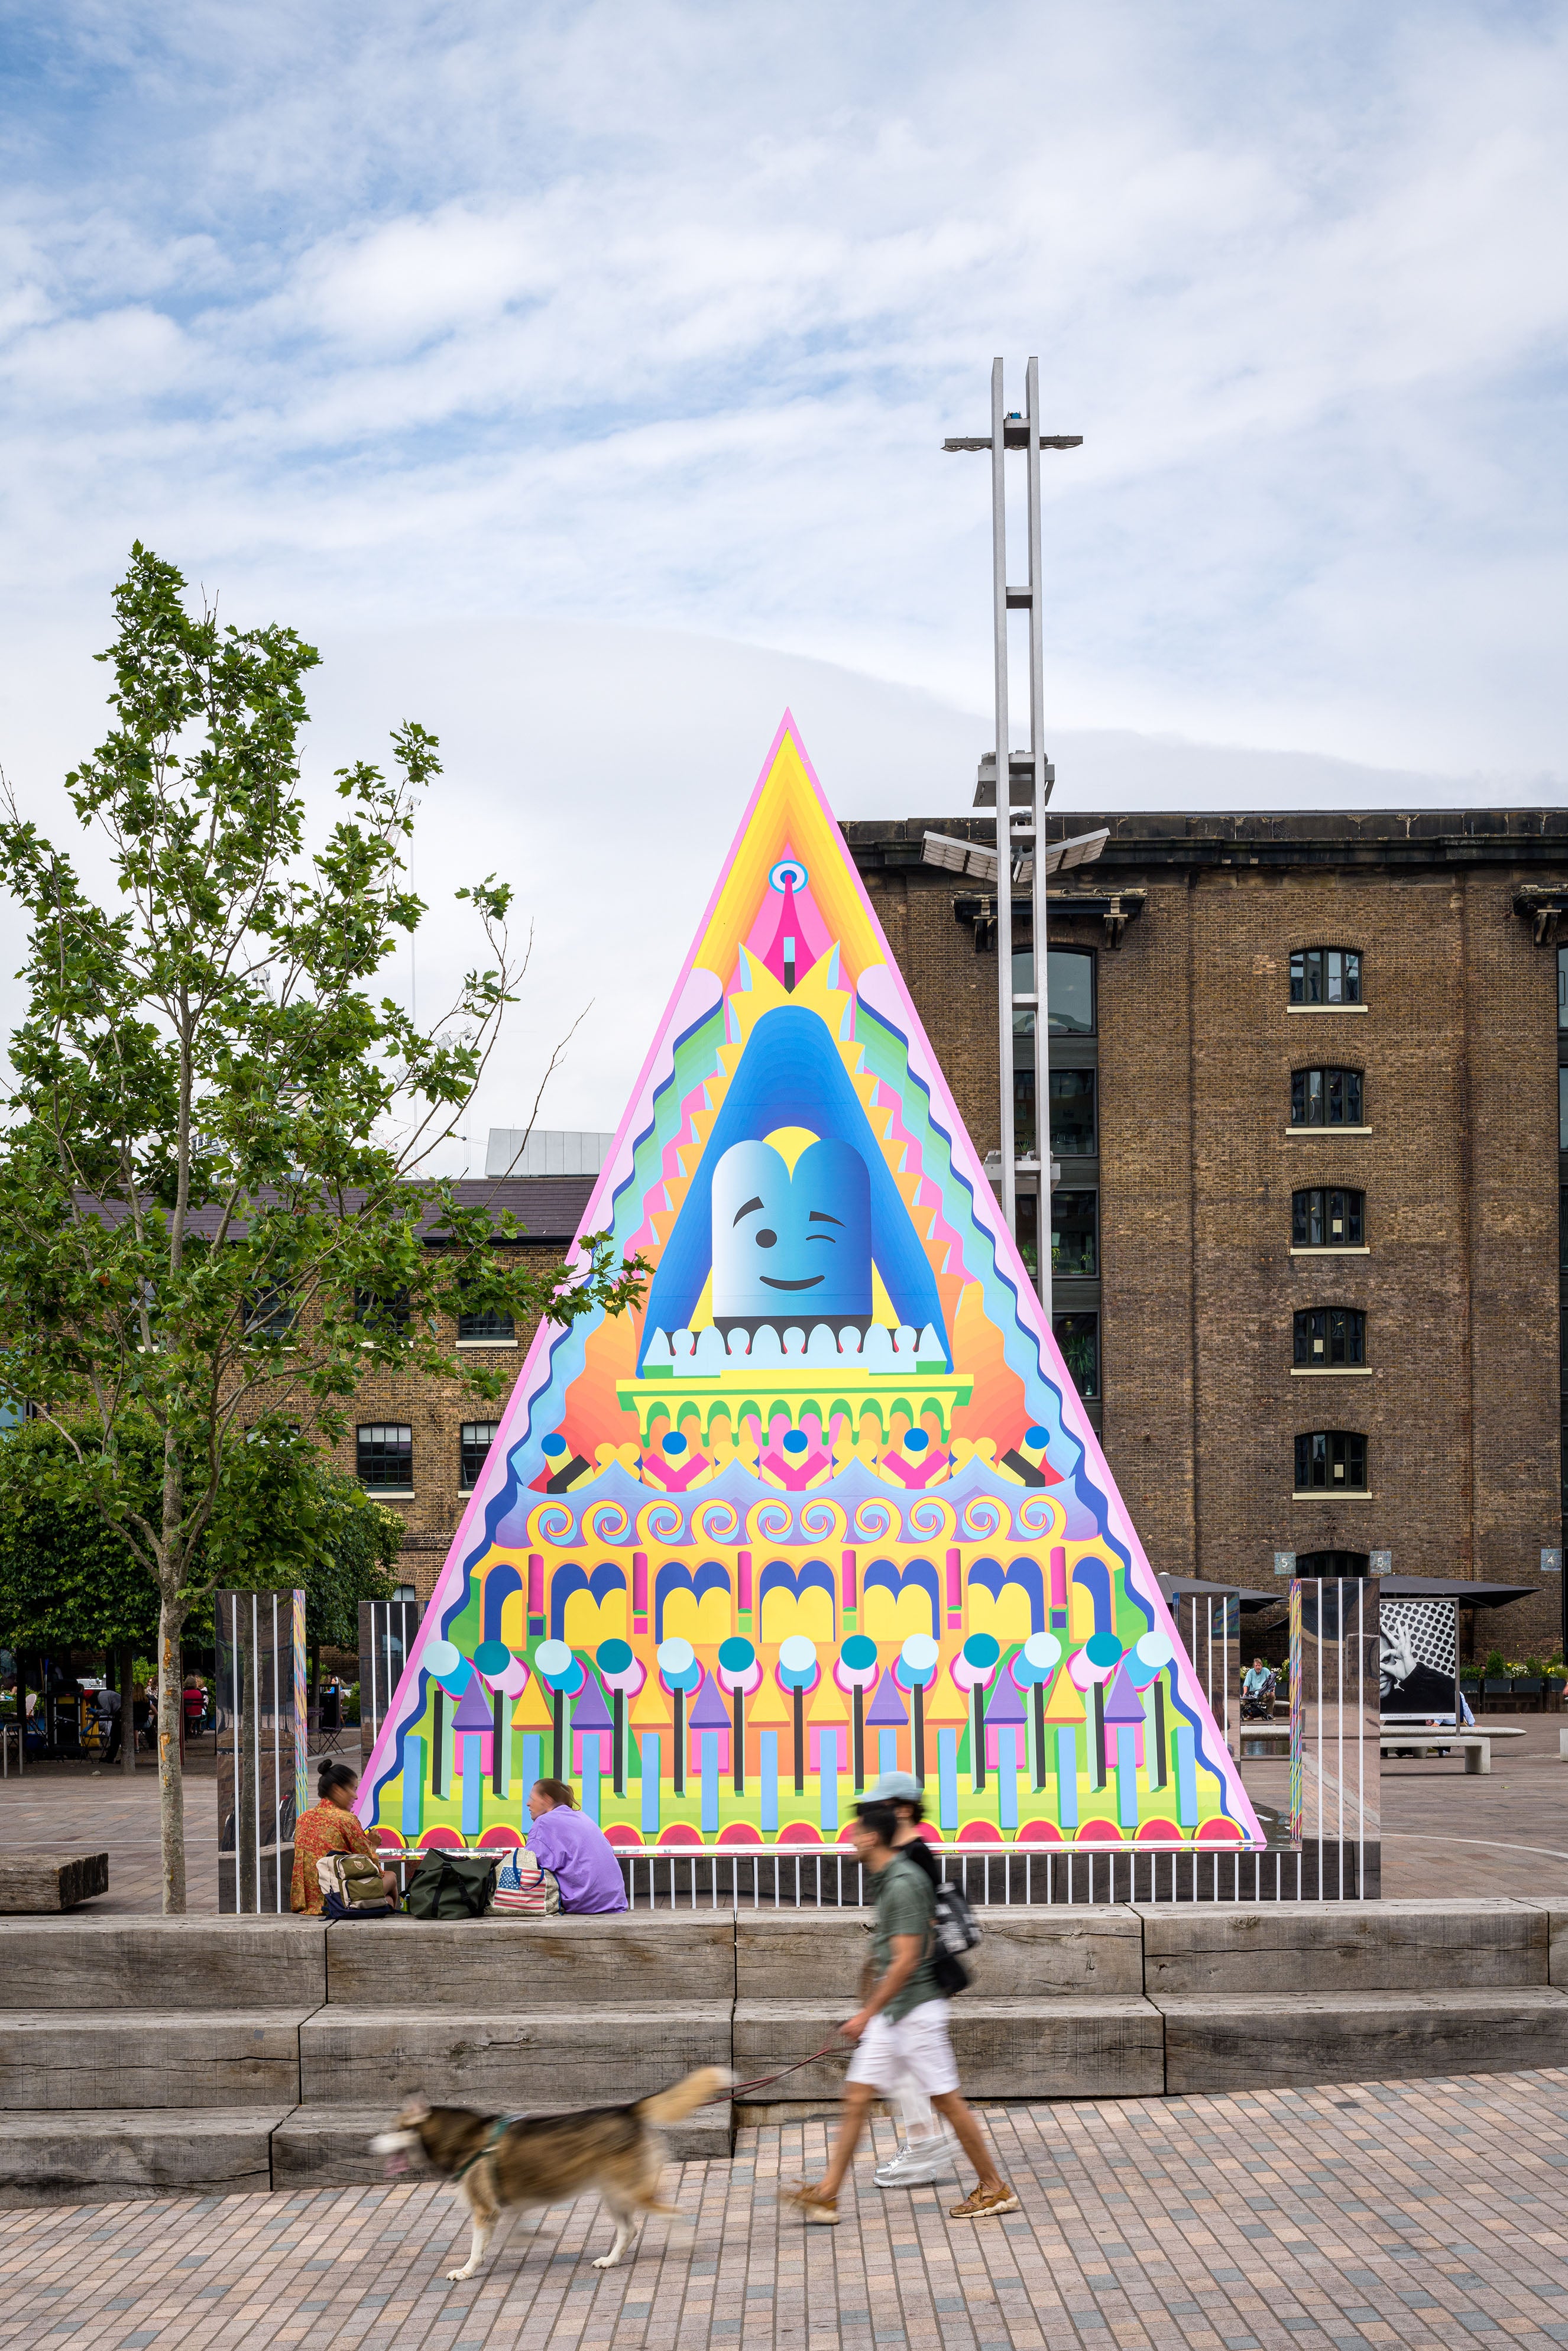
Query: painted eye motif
(766,1240)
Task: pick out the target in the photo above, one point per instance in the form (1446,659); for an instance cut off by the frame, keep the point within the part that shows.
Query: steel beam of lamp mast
(1016,431)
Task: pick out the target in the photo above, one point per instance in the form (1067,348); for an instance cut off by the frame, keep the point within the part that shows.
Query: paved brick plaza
(1394,2213)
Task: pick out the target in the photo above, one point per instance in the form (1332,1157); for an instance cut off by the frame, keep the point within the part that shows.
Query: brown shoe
(812,2205)
(985,2204)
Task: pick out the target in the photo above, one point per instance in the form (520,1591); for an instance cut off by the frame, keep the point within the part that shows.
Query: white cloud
(658,316)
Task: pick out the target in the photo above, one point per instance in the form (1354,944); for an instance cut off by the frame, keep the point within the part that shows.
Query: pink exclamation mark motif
(1059,1588)
(743,1582)
(639,1591)
(954,1591)
(535,1593)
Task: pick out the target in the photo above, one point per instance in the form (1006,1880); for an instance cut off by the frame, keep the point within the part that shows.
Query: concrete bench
(1477,1745)
(36,1882)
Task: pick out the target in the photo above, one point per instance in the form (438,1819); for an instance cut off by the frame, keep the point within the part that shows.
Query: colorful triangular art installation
(837,1444)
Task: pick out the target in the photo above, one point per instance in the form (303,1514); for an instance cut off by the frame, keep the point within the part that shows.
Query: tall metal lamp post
(1020,431)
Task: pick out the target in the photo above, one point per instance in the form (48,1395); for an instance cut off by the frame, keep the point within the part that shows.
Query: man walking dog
(901,2030)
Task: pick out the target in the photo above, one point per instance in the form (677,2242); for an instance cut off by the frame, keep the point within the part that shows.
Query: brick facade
(1458,1047)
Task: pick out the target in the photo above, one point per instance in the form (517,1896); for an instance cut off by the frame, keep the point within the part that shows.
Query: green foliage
(1495,1668)
(215,1218)
(211,1206)
(284,1517)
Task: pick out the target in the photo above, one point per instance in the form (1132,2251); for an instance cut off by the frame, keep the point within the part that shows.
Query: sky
(575,377)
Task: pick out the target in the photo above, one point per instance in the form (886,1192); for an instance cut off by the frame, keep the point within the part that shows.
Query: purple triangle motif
(589,1711)
(887,1710)
(474,1708)
(1003,1704)
(709,1712)
(1123,1703)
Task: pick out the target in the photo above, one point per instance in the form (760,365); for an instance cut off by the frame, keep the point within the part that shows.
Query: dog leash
(498,2129)
(766,2081)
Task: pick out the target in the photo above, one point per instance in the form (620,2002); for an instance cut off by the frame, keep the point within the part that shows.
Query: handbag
(353,1885)
(524,1887)
(452,1886)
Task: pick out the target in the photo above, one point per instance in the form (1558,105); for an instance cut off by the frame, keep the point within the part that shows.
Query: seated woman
(329,1826)
(576,1851)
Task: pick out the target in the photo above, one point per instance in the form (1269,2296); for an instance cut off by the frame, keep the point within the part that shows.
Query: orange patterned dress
(325,1828)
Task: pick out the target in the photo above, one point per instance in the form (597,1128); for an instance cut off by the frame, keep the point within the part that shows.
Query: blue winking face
(791,1249)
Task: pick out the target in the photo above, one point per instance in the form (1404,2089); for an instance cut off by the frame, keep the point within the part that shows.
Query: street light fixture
(1013,429)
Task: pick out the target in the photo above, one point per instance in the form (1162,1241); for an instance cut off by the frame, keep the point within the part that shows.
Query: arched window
(1330,1338)
(1325,975)
(1325,1097)
(1328,1216)
(1330,1461)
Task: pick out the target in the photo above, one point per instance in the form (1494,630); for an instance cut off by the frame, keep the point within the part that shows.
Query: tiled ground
(1417,2213)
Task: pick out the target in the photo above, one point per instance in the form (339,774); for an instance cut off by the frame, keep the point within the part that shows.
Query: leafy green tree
(214,1203)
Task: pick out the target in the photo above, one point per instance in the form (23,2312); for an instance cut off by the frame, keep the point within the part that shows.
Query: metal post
(1004,799)
(1037,761)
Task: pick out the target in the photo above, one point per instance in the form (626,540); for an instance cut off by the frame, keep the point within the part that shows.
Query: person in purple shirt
(575,1849)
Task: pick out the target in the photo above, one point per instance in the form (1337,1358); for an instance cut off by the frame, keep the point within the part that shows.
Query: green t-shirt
(904,1906)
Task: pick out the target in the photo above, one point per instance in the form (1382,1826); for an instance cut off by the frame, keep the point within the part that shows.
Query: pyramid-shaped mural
(828,1504)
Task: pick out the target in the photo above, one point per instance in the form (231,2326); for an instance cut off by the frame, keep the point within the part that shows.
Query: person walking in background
(574,1849)
(901,2029)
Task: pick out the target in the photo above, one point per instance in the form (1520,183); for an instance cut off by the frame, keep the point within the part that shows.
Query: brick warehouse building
(1304,1097)
(1310,1313)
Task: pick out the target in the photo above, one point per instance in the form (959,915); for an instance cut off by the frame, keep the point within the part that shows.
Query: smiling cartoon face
(791,1249)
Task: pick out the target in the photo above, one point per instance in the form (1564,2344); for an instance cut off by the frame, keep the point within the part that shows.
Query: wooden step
(163,1963)
(328,2146)
(100,2158)
(1065,2046)
(1254,2040)
(627,1959)
(84,2060)
(543,2058)
(1023,1954)
(1288,1947)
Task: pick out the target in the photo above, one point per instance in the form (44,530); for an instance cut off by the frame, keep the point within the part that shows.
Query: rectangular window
(1073,1248)
(1331,1461)
(1025,1140)
(1072,1113)
(1563,1110)
(386,1458)
(493,1323)
(1324,1217)
(382,1314)
(1562,1242)
(1078,1336)
(1325,975)
(1327,1336)
(270,1315)
(1070,984)
(1563,987)
(478,1436)
(1325,1098)
(1028,1231)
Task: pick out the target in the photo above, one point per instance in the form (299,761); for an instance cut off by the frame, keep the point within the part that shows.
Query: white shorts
(915,2053)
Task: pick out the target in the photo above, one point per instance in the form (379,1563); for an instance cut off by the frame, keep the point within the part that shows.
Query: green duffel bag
(452,1886)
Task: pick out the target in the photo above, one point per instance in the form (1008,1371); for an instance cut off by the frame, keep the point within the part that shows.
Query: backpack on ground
(956,1931)
(525,1888)
(353,1886)
(452,1886)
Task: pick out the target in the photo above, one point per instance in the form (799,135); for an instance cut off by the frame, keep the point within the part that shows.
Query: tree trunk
(171,1785)
(128,1706)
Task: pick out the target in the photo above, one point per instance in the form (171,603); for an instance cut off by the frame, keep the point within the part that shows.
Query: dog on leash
(496,2160)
